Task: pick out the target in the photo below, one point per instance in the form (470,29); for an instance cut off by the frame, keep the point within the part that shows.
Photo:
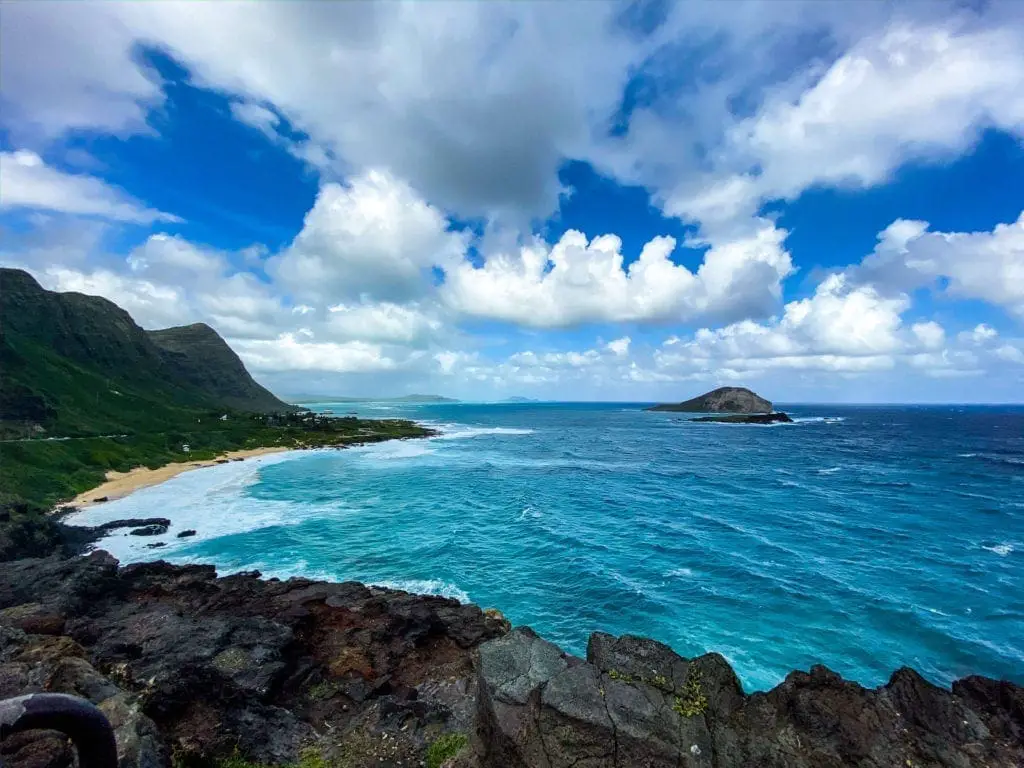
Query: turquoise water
(864,538)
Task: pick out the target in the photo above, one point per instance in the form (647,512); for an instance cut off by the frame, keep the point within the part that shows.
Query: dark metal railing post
(86,726)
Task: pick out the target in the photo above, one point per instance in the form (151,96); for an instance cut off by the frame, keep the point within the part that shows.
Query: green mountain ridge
(79,365)
(198,355)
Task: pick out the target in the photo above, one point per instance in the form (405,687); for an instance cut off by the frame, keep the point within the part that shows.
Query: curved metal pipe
(86,726)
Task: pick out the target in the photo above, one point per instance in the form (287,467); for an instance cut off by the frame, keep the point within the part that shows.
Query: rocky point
(195,670)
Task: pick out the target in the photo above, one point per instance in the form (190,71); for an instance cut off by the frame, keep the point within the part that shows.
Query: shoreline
(118,485)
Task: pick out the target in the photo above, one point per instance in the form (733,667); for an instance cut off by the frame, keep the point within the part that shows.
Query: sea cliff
(196,670)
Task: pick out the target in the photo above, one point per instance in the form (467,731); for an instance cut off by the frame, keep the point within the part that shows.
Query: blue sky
(383,199)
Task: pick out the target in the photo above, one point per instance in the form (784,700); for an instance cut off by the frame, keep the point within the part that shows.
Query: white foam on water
(187,500)
(530,512)
(967,455)
(819,419)
(426,587)
(679,572)
(398,449)
(1000,549)
(828,471)
(461,432)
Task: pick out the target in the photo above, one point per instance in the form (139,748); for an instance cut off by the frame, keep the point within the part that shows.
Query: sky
(822,201)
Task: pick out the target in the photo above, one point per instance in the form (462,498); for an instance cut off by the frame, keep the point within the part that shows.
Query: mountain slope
(721,400)
(198,355)
(75,364)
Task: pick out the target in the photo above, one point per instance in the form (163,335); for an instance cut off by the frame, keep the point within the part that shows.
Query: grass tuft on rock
(444,748)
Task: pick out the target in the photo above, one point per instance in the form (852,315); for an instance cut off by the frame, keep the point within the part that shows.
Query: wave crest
(460,432)
(426,587)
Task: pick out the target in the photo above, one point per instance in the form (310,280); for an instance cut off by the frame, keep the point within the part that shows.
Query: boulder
(635,702)
(131,522)
(624,706)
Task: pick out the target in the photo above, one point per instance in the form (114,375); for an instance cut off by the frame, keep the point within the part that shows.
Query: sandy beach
(120,484)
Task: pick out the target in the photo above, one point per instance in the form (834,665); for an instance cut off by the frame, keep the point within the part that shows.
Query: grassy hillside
(197,355)
(85,390)
(79,365)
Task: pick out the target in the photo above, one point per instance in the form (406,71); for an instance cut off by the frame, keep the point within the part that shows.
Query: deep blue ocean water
(864,538)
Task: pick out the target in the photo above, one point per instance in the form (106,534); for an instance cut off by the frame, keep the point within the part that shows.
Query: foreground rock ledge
(634,702)
(200,668)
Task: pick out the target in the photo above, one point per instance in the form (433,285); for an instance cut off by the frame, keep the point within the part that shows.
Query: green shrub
(692,701)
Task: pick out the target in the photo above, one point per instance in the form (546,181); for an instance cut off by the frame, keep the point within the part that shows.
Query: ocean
(864,538)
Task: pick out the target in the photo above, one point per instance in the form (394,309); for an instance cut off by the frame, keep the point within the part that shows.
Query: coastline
(117,485)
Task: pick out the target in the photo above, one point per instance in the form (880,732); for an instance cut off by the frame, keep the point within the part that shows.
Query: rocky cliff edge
(237,672)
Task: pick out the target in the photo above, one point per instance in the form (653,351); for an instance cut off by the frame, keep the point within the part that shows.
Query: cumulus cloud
(980,334)
(478,105)
(475,105)
(579,281)
(291,352)
(619,347)
(840,328)
(373,237)
(975,265)
(28,182)
(1011,353)
(384,322)
(909,92)
(930,335)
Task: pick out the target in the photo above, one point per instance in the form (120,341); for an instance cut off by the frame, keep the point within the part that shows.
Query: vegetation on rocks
(692,701)
(445,748)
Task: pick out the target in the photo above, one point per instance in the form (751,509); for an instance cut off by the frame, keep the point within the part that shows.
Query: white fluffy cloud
(981,334)
(975,265)
(291,352)
(619,347)
(578,281)
(27,182)
(385,322)
(840,328)
(374,237)
(1011,353)
(908,92)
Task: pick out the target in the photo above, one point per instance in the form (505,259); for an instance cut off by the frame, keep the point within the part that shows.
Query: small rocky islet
(735,405)
(241,672)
